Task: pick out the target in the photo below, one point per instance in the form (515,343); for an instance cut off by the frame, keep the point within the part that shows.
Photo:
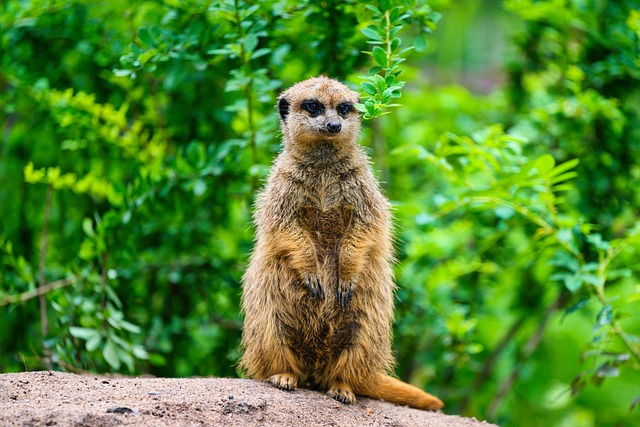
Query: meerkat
(318,291)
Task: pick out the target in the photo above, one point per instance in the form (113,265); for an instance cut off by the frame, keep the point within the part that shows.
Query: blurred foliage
(136,134)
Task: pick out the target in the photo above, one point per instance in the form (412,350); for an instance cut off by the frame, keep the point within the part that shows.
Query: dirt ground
(61,399)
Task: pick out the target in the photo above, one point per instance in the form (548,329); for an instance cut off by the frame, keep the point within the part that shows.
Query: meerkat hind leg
(341,392)
(285,381)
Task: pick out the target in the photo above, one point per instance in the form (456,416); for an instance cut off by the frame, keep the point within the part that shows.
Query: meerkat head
(319,109)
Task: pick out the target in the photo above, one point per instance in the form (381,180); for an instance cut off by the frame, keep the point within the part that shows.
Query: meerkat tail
(395,391)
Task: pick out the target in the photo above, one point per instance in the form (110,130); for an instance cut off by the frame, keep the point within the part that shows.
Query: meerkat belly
(323,336)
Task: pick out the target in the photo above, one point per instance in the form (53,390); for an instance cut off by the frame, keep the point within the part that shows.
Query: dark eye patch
(313,107)
(344,108)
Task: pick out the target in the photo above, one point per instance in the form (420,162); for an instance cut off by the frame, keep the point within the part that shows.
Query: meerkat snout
(334,127)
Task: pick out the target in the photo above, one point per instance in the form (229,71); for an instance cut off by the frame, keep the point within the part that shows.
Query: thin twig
(44,321)
(103,280)
(40,290)
(487,368)
(527,350)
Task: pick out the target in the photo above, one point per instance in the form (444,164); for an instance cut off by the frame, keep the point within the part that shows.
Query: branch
(40,290)
(527,350)
(44,321)
(492,359)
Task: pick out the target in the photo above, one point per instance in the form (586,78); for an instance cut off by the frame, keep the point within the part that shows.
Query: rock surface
(56,398)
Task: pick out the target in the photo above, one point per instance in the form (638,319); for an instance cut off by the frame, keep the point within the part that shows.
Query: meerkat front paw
(313,283)
(345,291)
(342,393)
(284,381)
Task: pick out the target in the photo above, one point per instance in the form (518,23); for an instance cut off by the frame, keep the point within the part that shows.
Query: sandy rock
(56,398)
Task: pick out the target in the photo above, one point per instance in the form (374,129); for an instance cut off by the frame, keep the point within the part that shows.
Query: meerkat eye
(344,108)
(312,106)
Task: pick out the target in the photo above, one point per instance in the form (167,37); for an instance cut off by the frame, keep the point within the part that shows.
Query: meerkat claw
(345,292)
(315,286)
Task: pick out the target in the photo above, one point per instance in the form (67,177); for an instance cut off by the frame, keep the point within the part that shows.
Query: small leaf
(544,163)
(144,35)
(134,329)
(561,178)
(83,333)
(607,370)
(360,107)
(368,88)
(250,43)
(604,317)
(93,343)
(87,227)
(140,353)
(597,241)
(110,354)
(395,43)
(32,175)
(572,282)
(577,306)
(380,82)
(371,33)
(199,187)
(380,56)
(260,52)
(570,164)
(121,73)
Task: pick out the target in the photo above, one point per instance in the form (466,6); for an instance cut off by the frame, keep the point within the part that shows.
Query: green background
(135,135)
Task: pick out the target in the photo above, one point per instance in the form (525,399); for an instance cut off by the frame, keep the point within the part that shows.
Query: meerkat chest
(329,210)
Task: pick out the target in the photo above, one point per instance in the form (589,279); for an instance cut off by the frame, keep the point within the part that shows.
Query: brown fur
(318,292)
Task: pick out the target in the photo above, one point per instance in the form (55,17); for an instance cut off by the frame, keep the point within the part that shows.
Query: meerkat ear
(283,108)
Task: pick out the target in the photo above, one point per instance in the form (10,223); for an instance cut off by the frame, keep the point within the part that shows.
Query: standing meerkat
(318,292)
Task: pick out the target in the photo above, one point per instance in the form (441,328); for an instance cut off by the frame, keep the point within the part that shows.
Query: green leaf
(199,187)
(32,175)
(561,178)
(144,35)
(110,353)
(93,343)
(87,227)
(250,43)
(140,353)
(607,370)
(544,163)
(260,52)
(597,241)
(371,32)
(604,317)
(368,88)
(395,43)
(360,107)
(83,333)
(568,165)
(577,306)
(121,73)
(134,329)
(380,56)
(380,82)
(572,282)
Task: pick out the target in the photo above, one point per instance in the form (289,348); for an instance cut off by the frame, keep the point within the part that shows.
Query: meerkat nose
(334,127)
